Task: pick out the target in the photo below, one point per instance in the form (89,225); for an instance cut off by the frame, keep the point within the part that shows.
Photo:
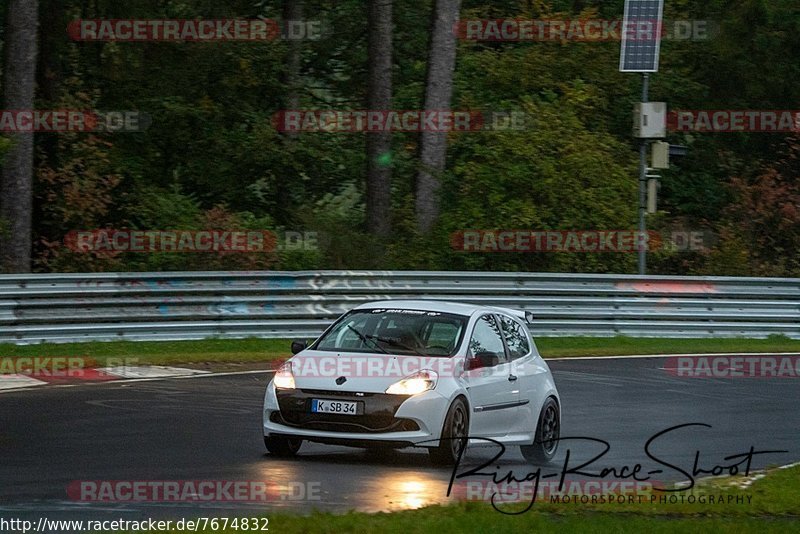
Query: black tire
(282,446)
(548,430)
(456,425)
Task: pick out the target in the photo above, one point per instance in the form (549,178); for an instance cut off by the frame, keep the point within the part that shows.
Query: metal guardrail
(198,305)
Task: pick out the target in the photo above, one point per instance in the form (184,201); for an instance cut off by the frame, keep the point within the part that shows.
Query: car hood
(360,372)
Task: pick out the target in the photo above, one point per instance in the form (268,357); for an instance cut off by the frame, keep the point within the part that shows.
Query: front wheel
(545,442)
(454,434)
(282,446)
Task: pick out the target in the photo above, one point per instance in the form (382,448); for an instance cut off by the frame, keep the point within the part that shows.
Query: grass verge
(774,506)
(228,353)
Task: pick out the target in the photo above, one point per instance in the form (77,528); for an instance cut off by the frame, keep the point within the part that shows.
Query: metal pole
(643,186)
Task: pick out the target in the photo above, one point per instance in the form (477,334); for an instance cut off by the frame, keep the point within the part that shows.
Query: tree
(293,11)
(438,91)
(379,97)
(764,222)
(16,186)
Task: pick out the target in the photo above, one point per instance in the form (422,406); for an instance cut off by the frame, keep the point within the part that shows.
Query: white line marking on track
(646,356)
(155,371)
(197,373)
(11,382)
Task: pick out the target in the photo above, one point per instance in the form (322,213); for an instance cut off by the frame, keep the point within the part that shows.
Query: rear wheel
(282,446)
(454,434)
(545,442)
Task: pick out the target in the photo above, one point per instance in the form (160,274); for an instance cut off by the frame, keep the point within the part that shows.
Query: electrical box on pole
(650,120)
(659,155)
(652,195)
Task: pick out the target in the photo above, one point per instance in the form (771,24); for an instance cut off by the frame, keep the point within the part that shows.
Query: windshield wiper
(365,338)
(395,343)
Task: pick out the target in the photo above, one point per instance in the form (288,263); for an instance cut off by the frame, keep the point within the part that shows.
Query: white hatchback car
(417,373)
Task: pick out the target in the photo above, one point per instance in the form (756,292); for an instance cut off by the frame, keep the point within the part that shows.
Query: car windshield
(396,331)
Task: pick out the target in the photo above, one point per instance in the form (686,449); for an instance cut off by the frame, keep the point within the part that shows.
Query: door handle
(512,378)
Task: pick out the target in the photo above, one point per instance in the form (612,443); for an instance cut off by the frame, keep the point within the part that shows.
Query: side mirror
(482,360)
(299,345)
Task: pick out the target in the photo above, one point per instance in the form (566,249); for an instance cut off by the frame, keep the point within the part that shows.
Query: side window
(486,338)
(516,338)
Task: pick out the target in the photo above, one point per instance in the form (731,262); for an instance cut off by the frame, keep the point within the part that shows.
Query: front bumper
(389,420)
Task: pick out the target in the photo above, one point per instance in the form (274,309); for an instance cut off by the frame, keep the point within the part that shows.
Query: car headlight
(284,379)
(414,384)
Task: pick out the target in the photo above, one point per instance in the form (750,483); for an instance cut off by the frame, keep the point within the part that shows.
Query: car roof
(458,308)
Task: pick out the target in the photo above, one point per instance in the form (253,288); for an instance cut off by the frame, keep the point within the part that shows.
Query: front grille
(344,423)
(376,413)
(326,393)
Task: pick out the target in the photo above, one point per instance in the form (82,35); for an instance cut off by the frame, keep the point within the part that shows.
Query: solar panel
(641,35)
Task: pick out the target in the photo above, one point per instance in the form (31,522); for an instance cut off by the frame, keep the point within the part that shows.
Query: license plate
(334,406)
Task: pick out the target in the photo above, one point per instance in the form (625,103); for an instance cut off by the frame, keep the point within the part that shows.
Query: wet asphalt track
(209,429)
